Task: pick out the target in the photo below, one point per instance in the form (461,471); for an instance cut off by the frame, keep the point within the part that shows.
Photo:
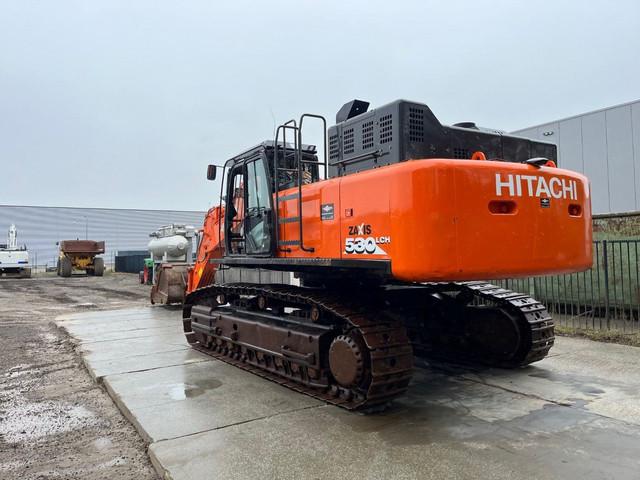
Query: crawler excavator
(393,233)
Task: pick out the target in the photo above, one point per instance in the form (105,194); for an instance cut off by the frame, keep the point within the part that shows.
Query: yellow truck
(80,255)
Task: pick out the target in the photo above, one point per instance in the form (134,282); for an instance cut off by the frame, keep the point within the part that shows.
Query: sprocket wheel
(346,361)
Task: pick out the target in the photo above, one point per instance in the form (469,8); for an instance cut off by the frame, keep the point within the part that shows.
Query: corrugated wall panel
(605,146)
(635,127)
(528,133)
(549,132)
(622,188)
(594,148)
(41,227)
(570,146)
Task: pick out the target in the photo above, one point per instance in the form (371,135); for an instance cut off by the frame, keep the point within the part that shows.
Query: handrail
(324,163)
(299,161)
(375,154)
(289,125)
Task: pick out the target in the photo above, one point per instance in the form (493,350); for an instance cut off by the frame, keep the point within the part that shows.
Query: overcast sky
(123,103)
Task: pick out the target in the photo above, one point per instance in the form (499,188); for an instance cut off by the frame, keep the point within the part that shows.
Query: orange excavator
(393,234)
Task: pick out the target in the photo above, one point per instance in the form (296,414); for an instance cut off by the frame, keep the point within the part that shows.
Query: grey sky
(104,102)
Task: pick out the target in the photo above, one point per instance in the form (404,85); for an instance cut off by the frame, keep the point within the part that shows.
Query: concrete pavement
(576,414)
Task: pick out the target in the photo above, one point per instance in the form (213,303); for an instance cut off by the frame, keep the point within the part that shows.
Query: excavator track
(374,334)
(530,329)
(377,346)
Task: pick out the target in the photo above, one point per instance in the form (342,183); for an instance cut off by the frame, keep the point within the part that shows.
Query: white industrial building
(121,229)
(605,146)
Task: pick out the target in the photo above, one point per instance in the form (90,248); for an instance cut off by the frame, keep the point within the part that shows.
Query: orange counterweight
(442,219)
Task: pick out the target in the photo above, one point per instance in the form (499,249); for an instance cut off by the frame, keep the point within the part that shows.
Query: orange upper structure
(406,199)
(440,219)
(435,220)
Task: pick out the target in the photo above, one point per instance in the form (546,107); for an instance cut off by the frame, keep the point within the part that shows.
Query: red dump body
(82,247)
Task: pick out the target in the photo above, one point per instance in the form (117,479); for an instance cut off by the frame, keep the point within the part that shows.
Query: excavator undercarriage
(356,349)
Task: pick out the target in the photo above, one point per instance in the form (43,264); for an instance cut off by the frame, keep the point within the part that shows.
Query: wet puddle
(182,391)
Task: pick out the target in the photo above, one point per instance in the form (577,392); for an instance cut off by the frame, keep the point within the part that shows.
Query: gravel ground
(55,421)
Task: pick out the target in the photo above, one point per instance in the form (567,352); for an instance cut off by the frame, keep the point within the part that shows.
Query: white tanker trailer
(171,249)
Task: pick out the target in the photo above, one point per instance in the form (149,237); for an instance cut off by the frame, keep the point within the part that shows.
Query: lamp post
(86,226)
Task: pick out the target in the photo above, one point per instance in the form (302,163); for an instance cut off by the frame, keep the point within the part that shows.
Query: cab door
(249,213)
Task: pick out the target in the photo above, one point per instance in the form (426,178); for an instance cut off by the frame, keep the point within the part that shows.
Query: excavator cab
(252,191)
(249,211)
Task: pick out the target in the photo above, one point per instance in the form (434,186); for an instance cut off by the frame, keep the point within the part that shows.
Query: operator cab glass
(288,170)
(248,213)
(258,212)
(234,213)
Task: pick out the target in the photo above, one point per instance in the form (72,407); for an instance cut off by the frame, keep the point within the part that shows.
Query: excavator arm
(211,246)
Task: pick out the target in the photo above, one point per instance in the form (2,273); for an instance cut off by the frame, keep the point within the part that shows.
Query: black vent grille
(347,137)
(334,151)
(416,124)
(367,135)
(461,153)
(386,128)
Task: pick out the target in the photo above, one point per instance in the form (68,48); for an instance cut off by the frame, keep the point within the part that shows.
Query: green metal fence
(605,297)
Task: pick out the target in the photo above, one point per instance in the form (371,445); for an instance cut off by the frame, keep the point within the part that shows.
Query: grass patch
(608,336)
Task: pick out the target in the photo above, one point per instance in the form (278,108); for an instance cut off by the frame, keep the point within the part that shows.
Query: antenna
(274,121)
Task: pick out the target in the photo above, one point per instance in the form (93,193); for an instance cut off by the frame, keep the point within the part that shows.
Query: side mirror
(211,172)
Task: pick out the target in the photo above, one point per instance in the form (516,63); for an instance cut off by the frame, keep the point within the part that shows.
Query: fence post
(605,264)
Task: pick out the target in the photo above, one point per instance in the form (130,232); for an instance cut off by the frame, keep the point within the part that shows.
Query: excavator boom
(210,248)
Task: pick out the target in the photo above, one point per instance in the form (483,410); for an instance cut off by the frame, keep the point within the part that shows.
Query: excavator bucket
(170,284)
